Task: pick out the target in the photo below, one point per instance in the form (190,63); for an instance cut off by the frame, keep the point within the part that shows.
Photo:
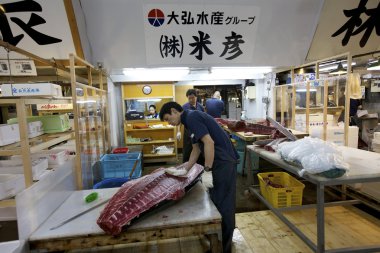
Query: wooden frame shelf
(150,142)
(151,129)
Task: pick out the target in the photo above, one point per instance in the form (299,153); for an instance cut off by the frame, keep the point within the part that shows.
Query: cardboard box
(31,89)
(335,134)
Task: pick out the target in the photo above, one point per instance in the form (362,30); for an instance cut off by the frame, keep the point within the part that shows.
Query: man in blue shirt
(220,155)
(191,95)
(215,105)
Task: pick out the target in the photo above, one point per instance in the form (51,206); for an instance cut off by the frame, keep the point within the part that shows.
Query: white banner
(37,26)
(194,34)
(355,29)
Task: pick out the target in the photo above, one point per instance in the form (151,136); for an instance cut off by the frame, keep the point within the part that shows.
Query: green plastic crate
(50,123)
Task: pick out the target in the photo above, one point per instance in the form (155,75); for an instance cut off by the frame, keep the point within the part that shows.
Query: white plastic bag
(315,155)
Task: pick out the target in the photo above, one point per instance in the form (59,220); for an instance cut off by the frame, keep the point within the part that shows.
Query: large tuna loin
(138,196)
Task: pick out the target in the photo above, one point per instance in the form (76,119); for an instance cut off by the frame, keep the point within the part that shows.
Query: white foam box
(54,156)
(376,136)
(35,129)
(335,134)
(11,184)
(31,89)
(15,166)
(9,134)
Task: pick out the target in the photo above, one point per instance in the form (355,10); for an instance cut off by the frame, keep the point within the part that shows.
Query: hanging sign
(193,34)
(54,107)
(4,68)
(22,68)
(355,29)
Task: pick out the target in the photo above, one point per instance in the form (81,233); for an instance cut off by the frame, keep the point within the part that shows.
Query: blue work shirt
(199,124)
(215,107)
(198,107)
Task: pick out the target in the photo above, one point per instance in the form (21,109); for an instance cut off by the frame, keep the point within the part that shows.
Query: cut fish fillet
(139,195)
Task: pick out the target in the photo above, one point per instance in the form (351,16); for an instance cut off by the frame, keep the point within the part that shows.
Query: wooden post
(307,106)
(78,164)
(325,100)
(294,94)
(274,96)
(24,141)
(283,97)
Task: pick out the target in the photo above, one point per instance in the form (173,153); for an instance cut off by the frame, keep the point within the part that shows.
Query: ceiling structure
(116,34)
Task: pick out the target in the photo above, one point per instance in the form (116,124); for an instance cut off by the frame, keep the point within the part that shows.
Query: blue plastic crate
(111,183)
(120,165)
(241,162)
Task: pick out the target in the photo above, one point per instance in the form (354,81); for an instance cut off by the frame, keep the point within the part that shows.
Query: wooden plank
(293,107)
(325,98)
(73,27)
(264,232)
(307,106)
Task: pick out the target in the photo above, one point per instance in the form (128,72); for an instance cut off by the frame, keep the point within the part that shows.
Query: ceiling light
(339,70)
(155,71)
(374,66)
(149,100)
(305,90)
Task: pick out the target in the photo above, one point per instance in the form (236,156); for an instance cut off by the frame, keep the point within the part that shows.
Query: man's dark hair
(152,106)
(191,92)
(167,107)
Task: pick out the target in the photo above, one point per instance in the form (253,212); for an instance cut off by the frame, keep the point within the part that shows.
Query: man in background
(191,95)
(215,105)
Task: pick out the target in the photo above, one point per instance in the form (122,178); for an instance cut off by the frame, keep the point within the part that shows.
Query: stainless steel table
(364,167)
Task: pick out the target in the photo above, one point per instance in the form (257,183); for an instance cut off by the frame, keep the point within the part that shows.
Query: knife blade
(282,129)
(80,214)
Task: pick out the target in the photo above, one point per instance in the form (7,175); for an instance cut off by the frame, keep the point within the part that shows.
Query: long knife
(80,214)
(282,129)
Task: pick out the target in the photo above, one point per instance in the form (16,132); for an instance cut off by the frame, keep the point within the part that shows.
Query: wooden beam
(73,27)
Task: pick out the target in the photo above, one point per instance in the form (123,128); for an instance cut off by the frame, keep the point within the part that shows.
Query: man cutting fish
(220,155)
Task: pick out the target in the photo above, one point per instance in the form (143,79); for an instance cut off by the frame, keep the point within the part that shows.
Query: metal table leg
(320,218)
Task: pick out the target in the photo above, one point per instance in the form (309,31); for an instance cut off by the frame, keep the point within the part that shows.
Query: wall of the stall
(255,108)
(116,112)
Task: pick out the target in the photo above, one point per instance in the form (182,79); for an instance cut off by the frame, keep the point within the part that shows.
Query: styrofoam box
(376,136)
(335,134)
(9,134)
(31,89)
(35,129)
(53,156)
(15,166)
(11,184)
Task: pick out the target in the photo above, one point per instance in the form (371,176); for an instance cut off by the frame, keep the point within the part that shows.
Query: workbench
(194,214)
(364,167)
(249,139)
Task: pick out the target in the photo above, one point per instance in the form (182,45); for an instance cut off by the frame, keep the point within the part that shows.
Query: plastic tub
(120,165)
(111,183)
(288,195)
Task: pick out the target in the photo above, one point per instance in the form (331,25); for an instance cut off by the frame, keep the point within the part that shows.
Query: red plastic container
(120,150)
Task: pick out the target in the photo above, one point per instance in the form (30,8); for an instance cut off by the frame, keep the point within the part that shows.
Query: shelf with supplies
(29,138)
(23,136)
(155,137)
